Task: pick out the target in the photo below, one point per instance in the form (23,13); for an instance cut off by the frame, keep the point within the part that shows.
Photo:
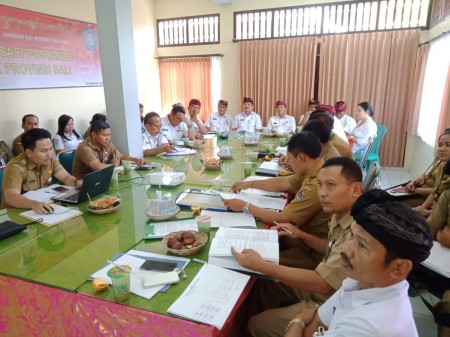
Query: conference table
(44,271)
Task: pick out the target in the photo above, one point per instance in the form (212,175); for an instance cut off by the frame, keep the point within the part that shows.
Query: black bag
(9,228)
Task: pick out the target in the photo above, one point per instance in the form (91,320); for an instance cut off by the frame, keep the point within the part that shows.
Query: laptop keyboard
(73,197)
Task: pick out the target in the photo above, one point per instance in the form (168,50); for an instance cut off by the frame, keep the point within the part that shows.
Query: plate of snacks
(285,173)
(212,163)
(107,204)
(185,242)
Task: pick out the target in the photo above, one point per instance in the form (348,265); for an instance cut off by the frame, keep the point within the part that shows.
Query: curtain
(419,74)
(433,90)
(280,69)
(444,118)
(376,67)
(182,79)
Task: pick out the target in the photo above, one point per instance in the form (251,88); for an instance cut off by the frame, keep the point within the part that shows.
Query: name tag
(165,129)
(242,119)
(274,123)
(214,119)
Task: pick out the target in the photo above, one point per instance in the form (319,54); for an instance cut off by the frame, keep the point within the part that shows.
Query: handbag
(9,228)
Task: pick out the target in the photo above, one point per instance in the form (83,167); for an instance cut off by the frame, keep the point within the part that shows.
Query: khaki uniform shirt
(330,268)
(305,210)
(342,146)
(329,151)
(23,174)
(87,152)
(440,216)
(17,147)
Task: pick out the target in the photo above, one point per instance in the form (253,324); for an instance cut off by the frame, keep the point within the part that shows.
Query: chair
(370,180)
(1,184)
(373,154)
(362,155)
(66,159)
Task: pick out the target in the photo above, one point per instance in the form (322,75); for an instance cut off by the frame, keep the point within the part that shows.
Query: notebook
(94,183)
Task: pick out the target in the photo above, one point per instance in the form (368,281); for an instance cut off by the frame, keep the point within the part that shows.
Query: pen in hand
(285,229)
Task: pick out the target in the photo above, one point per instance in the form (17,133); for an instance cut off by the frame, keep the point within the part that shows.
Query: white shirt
(338,129)
(194,124)
(250,123)
(173,132)
(282,125)
(381,312)
(217,122)
(362,132)
(152,142)
(348,123)
(61,143)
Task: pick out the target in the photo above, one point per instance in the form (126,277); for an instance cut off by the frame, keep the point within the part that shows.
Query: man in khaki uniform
(33,169)
(304,210)
(339,186)
(97,151)
(28,122)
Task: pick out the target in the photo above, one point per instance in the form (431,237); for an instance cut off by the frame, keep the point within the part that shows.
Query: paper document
(271,165)
(257,200)
(439,259)
(181,151)
(156,230)
(135,279)
(60,214)
(229,219)
(211,296)
(45,194)
(392,191)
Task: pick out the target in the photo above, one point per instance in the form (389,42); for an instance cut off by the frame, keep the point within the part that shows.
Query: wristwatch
(246,208)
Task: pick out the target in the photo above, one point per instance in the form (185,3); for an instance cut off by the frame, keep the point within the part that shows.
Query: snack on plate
(284,172)
(99,284)
(108,201)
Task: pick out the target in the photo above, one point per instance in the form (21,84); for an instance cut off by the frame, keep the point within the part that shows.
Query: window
(192,30)
(333,18)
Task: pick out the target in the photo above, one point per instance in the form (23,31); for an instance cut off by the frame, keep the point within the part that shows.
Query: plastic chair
(1,184)
(370,180)
(362,155)
(66,159)
(373,154)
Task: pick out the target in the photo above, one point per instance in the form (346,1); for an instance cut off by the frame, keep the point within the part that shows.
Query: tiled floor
(423,318)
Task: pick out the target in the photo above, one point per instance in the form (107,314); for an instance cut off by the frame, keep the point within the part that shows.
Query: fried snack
(284,172)
(196,209)
(267,158)
(188,238)
(99,284)
(103,203)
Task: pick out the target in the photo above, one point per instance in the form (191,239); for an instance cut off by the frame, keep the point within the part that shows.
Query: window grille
(331,18)
(192,30)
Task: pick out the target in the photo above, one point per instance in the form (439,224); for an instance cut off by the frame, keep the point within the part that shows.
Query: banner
(44,51)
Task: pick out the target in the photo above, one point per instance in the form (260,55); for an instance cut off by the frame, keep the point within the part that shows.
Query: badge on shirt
(214,119)
(242,119)
(300,196)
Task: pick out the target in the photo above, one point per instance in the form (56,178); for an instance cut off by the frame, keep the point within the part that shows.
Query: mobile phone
(60,189)
(158,265)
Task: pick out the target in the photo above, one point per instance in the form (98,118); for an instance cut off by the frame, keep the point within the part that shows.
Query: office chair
(66,159)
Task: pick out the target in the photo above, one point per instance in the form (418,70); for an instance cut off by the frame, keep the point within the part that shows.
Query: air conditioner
(223,2)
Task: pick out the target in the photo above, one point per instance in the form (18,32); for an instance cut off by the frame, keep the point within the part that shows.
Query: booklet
(211,296)
(263,241)
(60,214)
(229,219)
(439,259)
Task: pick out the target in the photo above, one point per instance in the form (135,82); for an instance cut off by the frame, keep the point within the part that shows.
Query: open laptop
(94,183)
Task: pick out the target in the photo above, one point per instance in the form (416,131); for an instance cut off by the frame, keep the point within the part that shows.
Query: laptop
(94,183)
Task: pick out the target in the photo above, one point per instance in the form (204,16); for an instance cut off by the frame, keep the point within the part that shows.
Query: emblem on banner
(90,39)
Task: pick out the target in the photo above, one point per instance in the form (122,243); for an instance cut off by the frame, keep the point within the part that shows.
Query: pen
(120,267)
(199,261)
(286,230)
